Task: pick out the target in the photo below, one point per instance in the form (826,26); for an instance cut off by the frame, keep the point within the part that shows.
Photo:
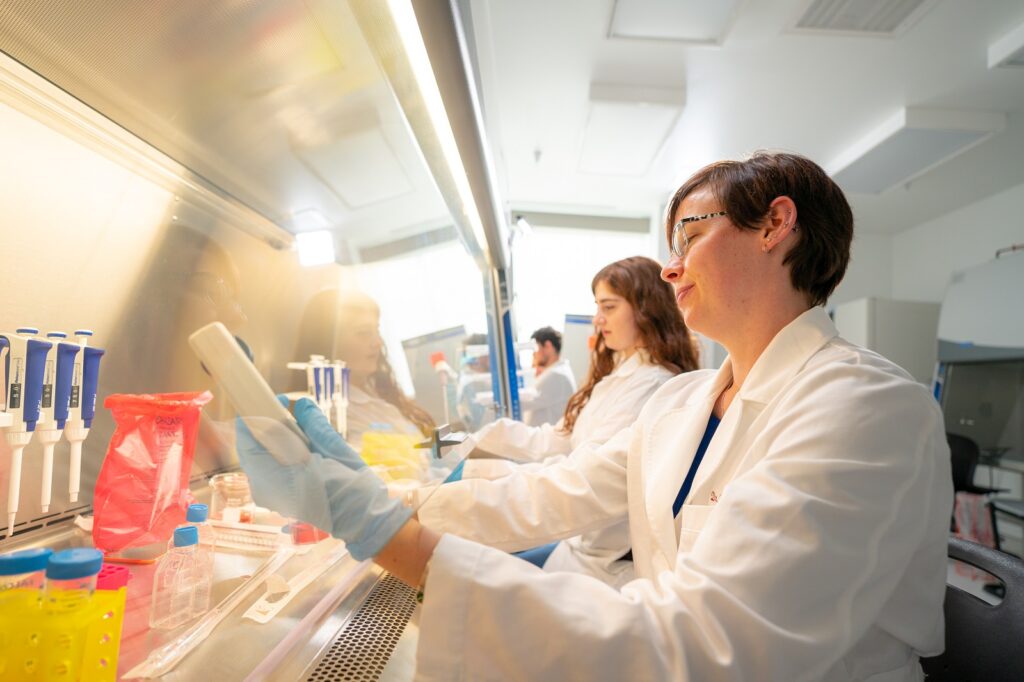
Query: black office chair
(1012,508)
(964,456)
(983,641)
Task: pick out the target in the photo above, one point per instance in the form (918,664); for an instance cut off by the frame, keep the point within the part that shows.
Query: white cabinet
(903,331)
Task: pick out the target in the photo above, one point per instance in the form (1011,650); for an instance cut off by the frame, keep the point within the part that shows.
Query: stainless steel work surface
(237,645)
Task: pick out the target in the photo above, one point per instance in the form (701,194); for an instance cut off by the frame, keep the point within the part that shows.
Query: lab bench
(368,633)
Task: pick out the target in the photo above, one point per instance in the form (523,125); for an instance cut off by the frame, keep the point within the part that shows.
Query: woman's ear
(780,223)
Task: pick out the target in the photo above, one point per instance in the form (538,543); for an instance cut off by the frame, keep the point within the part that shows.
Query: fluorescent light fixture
(626,128)
(409,33)
(315,248)
(909,144)
(1008,50)
(685,21)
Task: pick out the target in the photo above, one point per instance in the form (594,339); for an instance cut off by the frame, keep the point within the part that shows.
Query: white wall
(423,292)
(925,256)
(870,270)
(554,268)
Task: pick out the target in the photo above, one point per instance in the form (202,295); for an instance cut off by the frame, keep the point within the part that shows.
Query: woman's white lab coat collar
(784,356)
(625,366)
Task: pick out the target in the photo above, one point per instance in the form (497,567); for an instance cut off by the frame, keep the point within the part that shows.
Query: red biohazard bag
(142,492)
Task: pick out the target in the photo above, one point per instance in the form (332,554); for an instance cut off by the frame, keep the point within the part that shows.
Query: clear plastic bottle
(22,579)
(71,579)
(181,586)
(197,516)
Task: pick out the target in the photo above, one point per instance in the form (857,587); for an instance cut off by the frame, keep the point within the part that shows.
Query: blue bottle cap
(74,563)
(56,335)
(26,330)
(197,513)
(185,536)
(25,561)
(83,332)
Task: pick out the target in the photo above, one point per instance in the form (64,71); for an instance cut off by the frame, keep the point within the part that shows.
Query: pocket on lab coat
(692,518)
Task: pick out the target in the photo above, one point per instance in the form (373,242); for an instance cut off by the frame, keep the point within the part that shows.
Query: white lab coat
(545,401)
(812,545)
(614,405)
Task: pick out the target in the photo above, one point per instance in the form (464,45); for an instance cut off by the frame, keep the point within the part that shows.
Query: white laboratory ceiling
(721,78)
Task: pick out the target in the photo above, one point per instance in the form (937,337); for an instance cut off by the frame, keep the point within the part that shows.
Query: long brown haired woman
(641,343)
(347,323)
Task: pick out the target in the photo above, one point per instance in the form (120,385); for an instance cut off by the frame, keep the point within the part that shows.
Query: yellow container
(392,455)
(39,645)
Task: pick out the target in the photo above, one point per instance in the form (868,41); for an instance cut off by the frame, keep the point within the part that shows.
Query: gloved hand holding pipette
(322,435)
(332,489)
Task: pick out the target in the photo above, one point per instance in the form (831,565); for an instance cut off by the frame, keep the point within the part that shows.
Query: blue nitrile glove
(324,438)
(352,505)
(295,491)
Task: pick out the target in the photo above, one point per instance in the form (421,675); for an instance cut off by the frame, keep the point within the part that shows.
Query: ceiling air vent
(861,17)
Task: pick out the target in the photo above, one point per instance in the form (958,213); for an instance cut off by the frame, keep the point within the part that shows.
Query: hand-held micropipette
(54,409)
(23,362)
(81,407)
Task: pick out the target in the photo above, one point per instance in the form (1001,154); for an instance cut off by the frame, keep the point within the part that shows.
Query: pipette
(23,361)
(339,410)
(54,407)
(82,406)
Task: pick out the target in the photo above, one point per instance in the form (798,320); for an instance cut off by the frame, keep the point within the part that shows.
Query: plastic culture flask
(22,578)
(181,586)
(197,516)
(71,580)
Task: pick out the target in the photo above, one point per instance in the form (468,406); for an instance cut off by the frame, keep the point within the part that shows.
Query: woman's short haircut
(747,188)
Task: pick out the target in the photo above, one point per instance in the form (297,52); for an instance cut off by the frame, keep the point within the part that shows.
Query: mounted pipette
(85,378)
(23,362)
(54,407)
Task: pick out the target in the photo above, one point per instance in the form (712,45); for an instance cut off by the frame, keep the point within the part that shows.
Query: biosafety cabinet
(168,165)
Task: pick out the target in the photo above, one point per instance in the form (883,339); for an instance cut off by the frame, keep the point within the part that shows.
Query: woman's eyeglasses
(680,242)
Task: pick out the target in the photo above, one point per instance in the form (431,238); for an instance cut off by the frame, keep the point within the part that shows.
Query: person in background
(545,401)
(641,342)
(475,390)
(789,512)
(345,325)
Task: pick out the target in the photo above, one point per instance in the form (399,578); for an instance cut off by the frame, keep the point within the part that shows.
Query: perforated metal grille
(362,648)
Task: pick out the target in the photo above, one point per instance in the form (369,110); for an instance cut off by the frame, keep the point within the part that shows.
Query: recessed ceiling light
(684,21)
(627,127)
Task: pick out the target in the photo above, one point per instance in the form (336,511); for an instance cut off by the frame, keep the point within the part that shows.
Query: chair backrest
(964,458)
(983,641)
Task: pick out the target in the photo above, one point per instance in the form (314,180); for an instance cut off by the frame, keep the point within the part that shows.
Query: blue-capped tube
(81,407)
(56,398)
(24,365)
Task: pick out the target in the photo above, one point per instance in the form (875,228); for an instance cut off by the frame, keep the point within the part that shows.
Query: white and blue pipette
(23,363)
(339,405)
(54,408)
(85,377)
